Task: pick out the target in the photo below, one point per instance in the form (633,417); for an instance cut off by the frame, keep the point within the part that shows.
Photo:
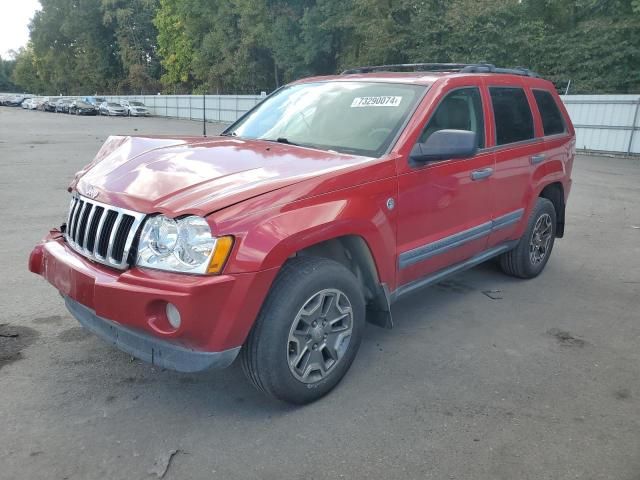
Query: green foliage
(245,46)
(136,37)
(6,69)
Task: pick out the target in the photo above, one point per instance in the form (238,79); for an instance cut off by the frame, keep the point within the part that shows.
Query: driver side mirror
(445,144)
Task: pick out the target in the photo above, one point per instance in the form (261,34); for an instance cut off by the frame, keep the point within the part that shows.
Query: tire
(531,254)
(284,333)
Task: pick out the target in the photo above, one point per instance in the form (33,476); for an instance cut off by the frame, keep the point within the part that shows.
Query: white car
(112,109)
(27,104)
(135,109)
(36,103)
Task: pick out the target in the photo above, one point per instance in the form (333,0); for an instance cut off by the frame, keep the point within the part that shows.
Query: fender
(265,239)
(556,170)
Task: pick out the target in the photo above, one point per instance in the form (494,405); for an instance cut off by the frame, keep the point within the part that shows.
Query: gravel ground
(543,383)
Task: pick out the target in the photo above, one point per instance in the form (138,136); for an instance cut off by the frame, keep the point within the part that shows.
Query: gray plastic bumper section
(145,347)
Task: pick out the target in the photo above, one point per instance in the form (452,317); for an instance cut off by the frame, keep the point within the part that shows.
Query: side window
(459,110)
(513,118)
(552,121)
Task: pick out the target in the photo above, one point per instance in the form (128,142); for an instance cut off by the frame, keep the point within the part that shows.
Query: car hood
(192,175)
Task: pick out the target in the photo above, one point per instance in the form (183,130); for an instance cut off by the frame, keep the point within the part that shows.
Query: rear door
(557,133)
(518,146)
(444,207)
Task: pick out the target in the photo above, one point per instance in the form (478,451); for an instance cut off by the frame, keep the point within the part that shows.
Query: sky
(14,23)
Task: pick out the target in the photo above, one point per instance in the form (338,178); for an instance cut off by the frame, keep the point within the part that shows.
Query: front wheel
(532,253)
(308,331)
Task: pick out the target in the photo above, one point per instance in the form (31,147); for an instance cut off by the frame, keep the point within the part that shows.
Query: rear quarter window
(552,121)
(513,119)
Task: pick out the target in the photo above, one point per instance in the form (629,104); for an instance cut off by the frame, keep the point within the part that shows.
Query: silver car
(112,109)
(135,109)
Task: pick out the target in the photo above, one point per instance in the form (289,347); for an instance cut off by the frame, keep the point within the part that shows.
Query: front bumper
(145,347)
(127,308)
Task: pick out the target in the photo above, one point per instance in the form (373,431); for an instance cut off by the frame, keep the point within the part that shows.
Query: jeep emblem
(91,192)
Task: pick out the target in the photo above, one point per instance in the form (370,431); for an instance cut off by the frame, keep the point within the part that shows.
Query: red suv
(316,210)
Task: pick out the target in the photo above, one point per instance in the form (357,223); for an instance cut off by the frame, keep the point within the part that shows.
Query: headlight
(183,245)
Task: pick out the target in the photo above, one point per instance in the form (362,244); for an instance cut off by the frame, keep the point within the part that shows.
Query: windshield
(113,104)
(136,104)
(83,104)
(351,117)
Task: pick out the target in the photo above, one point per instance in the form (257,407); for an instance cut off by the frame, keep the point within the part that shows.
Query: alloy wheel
(319,335)
(540,239)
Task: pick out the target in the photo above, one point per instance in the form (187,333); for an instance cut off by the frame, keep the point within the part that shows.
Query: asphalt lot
(543,383)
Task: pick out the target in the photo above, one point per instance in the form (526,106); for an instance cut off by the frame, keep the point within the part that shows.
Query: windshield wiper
(230,134)
(280,140)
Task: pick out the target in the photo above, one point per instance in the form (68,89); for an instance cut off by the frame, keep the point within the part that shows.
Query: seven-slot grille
(101,232)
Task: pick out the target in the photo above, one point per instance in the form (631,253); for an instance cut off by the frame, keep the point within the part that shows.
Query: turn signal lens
(220,255)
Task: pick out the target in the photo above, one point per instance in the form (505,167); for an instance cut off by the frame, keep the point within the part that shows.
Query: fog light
(173,315)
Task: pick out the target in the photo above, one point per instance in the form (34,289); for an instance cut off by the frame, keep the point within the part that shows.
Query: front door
(445,207)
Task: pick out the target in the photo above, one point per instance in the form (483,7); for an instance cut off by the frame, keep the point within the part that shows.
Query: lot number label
(386,101)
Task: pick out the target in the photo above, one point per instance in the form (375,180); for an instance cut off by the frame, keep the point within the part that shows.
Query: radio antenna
(204,115)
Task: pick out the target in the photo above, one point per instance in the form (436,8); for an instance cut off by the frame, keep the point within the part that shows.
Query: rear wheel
(308,331)
(532,253)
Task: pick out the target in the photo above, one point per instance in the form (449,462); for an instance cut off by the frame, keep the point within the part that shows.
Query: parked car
(32,103)
(135,109)
(62,105)
(112,109)
(14,100)
(36,103)
(327,202)
(49,105)
(95,101)
(79,107)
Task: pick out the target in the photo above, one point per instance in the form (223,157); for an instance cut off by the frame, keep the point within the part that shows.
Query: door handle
(535,159)
(480,174)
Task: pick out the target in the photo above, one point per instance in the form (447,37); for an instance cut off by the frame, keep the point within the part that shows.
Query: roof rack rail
(442,67)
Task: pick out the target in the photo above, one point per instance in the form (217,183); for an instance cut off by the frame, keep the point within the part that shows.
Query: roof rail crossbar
(414,67)
(442,67)
(488,68)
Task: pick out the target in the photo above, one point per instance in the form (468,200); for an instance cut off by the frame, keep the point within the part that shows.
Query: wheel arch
(354,253)
(554,192)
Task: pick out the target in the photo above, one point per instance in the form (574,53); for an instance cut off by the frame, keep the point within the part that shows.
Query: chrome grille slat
(72,205)
(85,232)
(77,216)
(99,236)
(90,242)
(114,236)
(72,216)
(129,242)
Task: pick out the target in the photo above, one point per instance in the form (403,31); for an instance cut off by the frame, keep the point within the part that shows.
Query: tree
(246,46)
(136,41)
(25,72)
(6,70)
